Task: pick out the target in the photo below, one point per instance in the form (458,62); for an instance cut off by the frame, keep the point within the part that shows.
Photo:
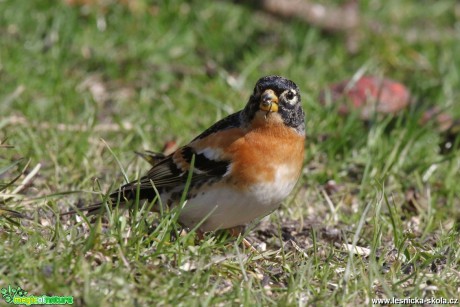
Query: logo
(18,296)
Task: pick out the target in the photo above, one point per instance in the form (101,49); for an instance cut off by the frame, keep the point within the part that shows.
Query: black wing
(231,121)
(166,174)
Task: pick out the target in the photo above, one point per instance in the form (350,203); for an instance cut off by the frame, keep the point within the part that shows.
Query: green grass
(76,81)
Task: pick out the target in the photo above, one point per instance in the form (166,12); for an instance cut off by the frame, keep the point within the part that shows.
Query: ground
(374,215)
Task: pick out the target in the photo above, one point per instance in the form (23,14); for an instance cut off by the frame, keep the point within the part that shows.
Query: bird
(242,167)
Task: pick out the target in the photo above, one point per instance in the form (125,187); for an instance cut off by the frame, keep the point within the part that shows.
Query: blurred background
(141,73)
(163,69)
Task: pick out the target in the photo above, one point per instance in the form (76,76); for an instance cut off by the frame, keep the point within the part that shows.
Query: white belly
(223,207)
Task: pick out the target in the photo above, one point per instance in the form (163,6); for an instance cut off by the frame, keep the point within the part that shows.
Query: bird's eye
(291,97)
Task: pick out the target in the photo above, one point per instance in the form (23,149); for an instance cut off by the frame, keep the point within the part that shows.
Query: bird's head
(276,99)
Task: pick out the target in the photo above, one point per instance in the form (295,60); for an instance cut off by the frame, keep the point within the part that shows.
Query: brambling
(244,166)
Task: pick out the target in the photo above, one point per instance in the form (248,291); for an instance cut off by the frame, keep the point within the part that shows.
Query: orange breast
(258,150)
(262,150)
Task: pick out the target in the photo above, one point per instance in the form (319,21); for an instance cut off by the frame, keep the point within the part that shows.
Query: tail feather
(95,208)
(122,196)
(127,192)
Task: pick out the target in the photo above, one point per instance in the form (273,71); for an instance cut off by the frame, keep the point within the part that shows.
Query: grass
(78,81)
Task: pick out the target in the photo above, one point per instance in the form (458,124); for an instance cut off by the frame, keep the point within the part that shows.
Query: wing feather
(172,171)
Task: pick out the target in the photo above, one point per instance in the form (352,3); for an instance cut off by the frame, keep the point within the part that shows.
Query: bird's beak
(269,101)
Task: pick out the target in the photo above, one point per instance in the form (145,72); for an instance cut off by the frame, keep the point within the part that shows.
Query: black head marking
(289,101)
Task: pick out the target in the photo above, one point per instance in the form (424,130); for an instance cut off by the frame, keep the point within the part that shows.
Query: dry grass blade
(6,196)
(25,182)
